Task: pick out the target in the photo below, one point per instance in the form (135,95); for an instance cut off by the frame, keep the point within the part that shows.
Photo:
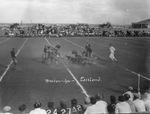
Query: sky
(74,11)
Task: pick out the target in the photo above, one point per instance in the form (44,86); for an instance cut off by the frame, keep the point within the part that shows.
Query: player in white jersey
(112,52)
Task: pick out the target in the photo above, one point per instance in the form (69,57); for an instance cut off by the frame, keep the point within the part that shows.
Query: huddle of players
(51,53)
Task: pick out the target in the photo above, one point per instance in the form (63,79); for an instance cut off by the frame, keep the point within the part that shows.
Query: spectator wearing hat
(139,104)
(111,107)
(101,103)
(37,109)
(130,102)
(76,108)
(51,109)
(22,109)
(122,106)
(130,92)
(6,110)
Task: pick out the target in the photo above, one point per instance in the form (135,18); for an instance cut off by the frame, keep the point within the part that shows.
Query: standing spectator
(101,103)
(51,109)
(6,110)
(38,109)
(122,107)
(130,102)
(112,53)
(139,104)
(111,107)
(76,108)
(130,92)
(22,109)
(14,59)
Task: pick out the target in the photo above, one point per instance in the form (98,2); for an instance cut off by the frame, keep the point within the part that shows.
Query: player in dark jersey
(63,108)
(44,54)
(13,56)
(88,50)
(111,107)
(51,109)
(76,108)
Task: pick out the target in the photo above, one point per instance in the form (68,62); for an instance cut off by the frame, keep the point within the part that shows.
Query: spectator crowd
(128,102)
(106,30)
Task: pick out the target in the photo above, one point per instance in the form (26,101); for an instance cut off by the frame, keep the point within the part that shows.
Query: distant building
(142,24)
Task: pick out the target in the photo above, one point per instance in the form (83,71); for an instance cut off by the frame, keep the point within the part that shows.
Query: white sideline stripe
(105,59)
(83,48)
(8,66)
(4,40)
(78,83)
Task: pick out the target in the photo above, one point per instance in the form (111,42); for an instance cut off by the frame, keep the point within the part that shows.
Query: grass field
(32,80)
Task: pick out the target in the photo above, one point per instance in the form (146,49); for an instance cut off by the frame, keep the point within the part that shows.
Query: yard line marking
(8,66)
(78,83)
(83,48)
(106,59)
(4,40)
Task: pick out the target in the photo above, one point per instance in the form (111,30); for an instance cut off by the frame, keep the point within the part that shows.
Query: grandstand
(142,24)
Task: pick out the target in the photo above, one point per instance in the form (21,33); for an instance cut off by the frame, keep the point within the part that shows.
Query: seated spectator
(76,108)
(51,109)
(22,109)
(6,110)
(130,92)
(93,109)
(147,101)
(63,108)
(111,107)
(130,102)
(139,104)
(37,109)
(122,106)
(101,103)
(87,103)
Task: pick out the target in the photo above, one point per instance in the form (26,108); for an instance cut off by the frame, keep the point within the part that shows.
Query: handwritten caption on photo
(82,79)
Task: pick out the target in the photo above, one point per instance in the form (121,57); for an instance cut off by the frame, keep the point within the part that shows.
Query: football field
(36,81)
